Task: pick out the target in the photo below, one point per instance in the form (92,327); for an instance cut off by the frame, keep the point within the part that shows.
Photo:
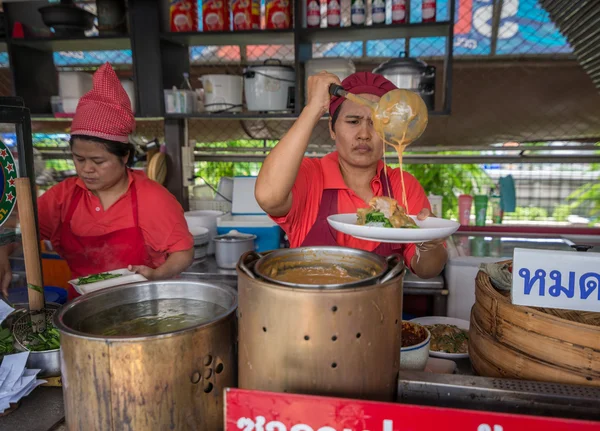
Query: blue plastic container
(54,294)
(267,237)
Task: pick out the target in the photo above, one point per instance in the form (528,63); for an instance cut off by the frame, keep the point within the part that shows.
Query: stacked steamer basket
(551,345)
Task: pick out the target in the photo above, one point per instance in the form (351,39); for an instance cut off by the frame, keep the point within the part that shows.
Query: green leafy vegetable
(97,277)
(47,340)
(6,342)
(378,217)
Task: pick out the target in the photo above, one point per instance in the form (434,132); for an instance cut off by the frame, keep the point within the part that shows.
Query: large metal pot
(339,342)
(173,380)
(411,74)
(369,268)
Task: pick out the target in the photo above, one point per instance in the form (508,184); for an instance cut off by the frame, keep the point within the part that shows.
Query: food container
(47,361)
(129,88)
(414,353)
(231,246)
(201,240)
(411,74)
(222,93)
(278,14)
(215,15)
(206,219)
(125,277)
(173,379)
(246,14)
(342,342)
(183,15)
(269,87)
(248,217)
(353,267)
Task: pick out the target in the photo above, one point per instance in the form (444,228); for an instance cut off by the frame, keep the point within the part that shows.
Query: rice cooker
(270,87)
(222,93)
(411,74)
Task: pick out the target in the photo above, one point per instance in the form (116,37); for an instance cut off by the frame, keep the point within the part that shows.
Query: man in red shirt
(109,216)
(300,193)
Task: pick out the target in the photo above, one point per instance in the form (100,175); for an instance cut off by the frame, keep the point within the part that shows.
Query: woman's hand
(429,245)
(318,91)
(144,271)
(431,256)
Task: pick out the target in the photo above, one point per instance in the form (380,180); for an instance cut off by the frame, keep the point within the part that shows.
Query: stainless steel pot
(411,74)
(229,248)
(173,380)
(339,342)
(370,267)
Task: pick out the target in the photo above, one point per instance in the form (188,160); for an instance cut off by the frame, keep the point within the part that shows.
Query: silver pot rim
(378,278)
(64,328)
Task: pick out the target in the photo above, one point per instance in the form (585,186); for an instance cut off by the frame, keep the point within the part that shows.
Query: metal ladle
(399,118)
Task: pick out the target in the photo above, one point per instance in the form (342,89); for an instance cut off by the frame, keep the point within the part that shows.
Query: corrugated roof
(579,22)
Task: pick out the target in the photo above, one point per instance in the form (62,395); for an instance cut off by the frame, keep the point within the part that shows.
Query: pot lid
(234,236)
(272,64)
(401,62)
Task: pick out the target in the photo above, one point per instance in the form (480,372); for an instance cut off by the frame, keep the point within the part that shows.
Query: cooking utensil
(269,87)
(31,253)
(399,117)
(342,342)
(371,267)
(411,74)
(174,380)
(231,246)
(67,19)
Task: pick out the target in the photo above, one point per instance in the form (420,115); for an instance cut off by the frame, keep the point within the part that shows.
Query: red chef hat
(105,111)
(362,82)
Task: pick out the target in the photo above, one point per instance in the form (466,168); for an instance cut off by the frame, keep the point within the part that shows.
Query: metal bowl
(370,268)
(81,317)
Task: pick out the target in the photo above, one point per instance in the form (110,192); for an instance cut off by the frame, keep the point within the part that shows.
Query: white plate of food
(386,221)
(449,336)
(94,282)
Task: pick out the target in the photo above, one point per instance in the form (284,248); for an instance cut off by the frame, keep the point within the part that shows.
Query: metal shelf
(236,116)
(98,43)
(375,32)
(250,37)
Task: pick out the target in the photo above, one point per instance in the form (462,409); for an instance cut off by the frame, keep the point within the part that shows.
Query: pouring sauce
(399,118)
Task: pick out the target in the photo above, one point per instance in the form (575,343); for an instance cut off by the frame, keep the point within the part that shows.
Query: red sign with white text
(265,411)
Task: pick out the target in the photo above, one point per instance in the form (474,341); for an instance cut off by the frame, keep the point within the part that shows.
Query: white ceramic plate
(429,229)
(432,320)
(126,278)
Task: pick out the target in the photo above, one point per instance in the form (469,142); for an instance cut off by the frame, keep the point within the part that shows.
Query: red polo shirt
(316,175)
(160,216)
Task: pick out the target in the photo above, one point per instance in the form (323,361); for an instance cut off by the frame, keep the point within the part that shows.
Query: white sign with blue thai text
(556,279)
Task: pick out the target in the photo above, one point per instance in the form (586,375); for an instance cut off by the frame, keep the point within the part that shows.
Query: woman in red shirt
(109,216)
(300,193)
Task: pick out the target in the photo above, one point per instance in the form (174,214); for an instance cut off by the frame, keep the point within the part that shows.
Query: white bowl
(415,357)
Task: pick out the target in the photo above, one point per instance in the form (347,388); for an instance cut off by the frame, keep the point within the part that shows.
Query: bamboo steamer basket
(511,341)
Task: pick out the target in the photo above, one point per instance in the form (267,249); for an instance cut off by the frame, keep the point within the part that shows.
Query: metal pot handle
(396,261)
(246,259)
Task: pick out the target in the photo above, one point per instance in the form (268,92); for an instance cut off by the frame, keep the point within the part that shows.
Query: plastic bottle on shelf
(334,13)
(428,10)
(358,12)
(399,15)
(378,11)
(313,13)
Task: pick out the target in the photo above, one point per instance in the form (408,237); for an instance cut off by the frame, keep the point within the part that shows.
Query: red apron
(321,232)
(87,255)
